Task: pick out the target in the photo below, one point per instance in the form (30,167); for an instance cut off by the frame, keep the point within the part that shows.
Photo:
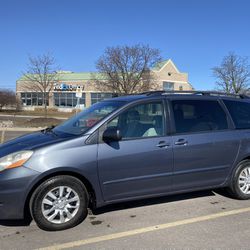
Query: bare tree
(7,97)
(233,74)
(126,69)
(41,75)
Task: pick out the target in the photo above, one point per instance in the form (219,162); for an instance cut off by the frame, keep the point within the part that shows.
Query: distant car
(127,148)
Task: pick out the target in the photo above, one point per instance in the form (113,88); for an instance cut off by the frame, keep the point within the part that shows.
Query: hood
(31,141)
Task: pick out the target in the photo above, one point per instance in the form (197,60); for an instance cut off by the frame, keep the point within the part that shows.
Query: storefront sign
(68,87)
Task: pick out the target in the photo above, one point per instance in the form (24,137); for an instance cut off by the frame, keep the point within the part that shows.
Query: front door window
(143,120)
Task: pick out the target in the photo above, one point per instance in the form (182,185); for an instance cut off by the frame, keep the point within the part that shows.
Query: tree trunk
(45,104)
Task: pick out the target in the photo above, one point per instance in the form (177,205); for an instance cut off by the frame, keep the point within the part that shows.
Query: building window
(68,100)
(33,99)
(168,86)
(97,97)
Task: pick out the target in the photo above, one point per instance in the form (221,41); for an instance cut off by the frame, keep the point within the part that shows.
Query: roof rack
(156,92)
(203,93)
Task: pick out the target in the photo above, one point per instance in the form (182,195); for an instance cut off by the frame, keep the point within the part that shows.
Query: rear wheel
(59,203)
(240,186)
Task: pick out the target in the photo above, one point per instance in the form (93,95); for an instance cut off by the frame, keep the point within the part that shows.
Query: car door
(141,163)
(204,144)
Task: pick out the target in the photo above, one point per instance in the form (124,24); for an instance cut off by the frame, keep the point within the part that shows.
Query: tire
(240,184)
(52,213)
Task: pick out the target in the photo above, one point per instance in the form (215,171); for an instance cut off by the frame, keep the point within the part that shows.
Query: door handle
(181,142)
(163,144)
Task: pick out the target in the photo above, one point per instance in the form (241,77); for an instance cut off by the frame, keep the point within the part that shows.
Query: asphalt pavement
(201,220)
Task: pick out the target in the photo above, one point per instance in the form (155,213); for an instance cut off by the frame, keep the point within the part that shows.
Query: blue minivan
(127,148)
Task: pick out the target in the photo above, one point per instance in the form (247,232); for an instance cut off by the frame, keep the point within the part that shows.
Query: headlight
(14,160)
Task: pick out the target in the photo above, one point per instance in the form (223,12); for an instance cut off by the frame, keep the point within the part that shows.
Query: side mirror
(111,134)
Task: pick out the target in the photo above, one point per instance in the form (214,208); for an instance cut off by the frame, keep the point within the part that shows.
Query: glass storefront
(62,99)
(97,97)
(33,99)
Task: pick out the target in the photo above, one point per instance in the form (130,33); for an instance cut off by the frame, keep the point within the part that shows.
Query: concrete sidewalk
(33,116)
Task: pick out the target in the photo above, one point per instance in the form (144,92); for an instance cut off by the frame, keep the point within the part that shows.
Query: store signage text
(68,87)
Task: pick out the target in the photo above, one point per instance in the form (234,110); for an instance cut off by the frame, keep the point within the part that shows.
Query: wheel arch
(236,164)
(83,179)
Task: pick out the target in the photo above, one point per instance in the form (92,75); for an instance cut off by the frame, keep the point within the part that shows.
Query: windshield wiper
(49,129)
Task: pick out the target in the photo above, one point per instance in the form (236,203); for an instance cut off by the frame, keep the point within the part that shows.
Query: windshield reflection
(83,121)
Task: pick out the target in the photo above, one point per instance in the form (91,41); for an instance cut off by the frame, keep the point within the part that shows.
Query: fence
(4,131)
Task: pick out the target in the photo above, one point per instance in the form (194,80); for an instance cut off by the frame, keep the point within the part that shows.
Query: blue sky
(195,34)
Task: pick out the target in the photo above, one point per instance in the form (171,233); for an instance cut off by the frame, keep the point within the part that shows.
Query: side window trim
(170,126)
(172,129)
(172,118)
(230,122)
(165,128)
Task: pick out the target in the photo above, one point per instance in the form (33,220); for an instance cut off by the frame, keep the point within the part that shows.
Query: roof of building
(74,76)
(78,76)
(161,64)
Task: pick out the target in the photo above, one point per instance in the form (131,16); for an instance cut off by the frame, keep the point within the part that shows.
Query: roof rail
(194,92)
(152,93)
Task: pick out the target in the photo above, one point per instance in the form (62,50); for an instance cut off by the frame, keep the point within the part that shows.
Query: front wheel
(59,203)
(240,186)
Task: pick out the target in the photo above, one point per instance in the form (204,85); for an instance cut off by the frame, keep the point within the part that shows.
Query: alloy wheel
(60,204)
(244,180)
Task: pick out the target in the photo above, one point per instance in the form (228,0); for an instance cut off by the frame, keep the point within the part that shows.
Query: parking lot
(200,220)
(203,220)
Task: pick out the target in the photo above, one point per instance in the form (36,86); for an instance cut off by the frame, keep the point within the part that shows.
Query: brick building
(63,94)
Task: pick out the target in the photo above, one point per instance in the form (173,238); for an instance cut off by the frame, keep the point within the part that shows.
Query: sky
(195,34)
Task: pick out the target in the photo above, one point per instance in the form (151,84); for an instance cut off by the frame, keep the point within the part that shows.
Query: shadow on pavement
(151,201)
(131,204)
(16,223)
(223,192)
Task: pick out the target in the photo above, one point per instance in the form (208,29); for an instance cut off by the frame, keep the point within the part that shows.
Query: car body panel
(205,160)
(125,172)
(14,187)
(31,141)
(73,156)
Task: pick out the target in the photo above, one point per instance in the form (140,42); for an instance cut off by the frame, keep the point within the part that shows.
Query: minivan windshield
(83,121)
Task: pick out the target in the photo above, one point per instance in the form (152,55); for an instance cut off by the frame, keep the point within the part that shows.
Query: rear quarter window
(240,113)
(198,115)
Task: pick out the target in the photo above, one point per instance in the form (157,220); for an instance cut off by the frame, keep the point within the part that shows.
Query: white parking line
(145,229)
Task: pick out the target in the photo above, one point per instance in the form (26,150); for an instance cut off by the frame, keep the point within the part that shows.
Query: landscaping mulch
(37,122)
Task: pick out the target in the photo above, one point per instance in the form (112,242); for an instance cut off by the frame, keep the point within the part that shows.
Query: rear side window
(198,115)
(240,112)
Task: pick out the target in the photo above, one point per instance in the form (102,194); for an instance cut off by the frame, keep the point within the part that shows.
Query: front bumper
(15,185)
